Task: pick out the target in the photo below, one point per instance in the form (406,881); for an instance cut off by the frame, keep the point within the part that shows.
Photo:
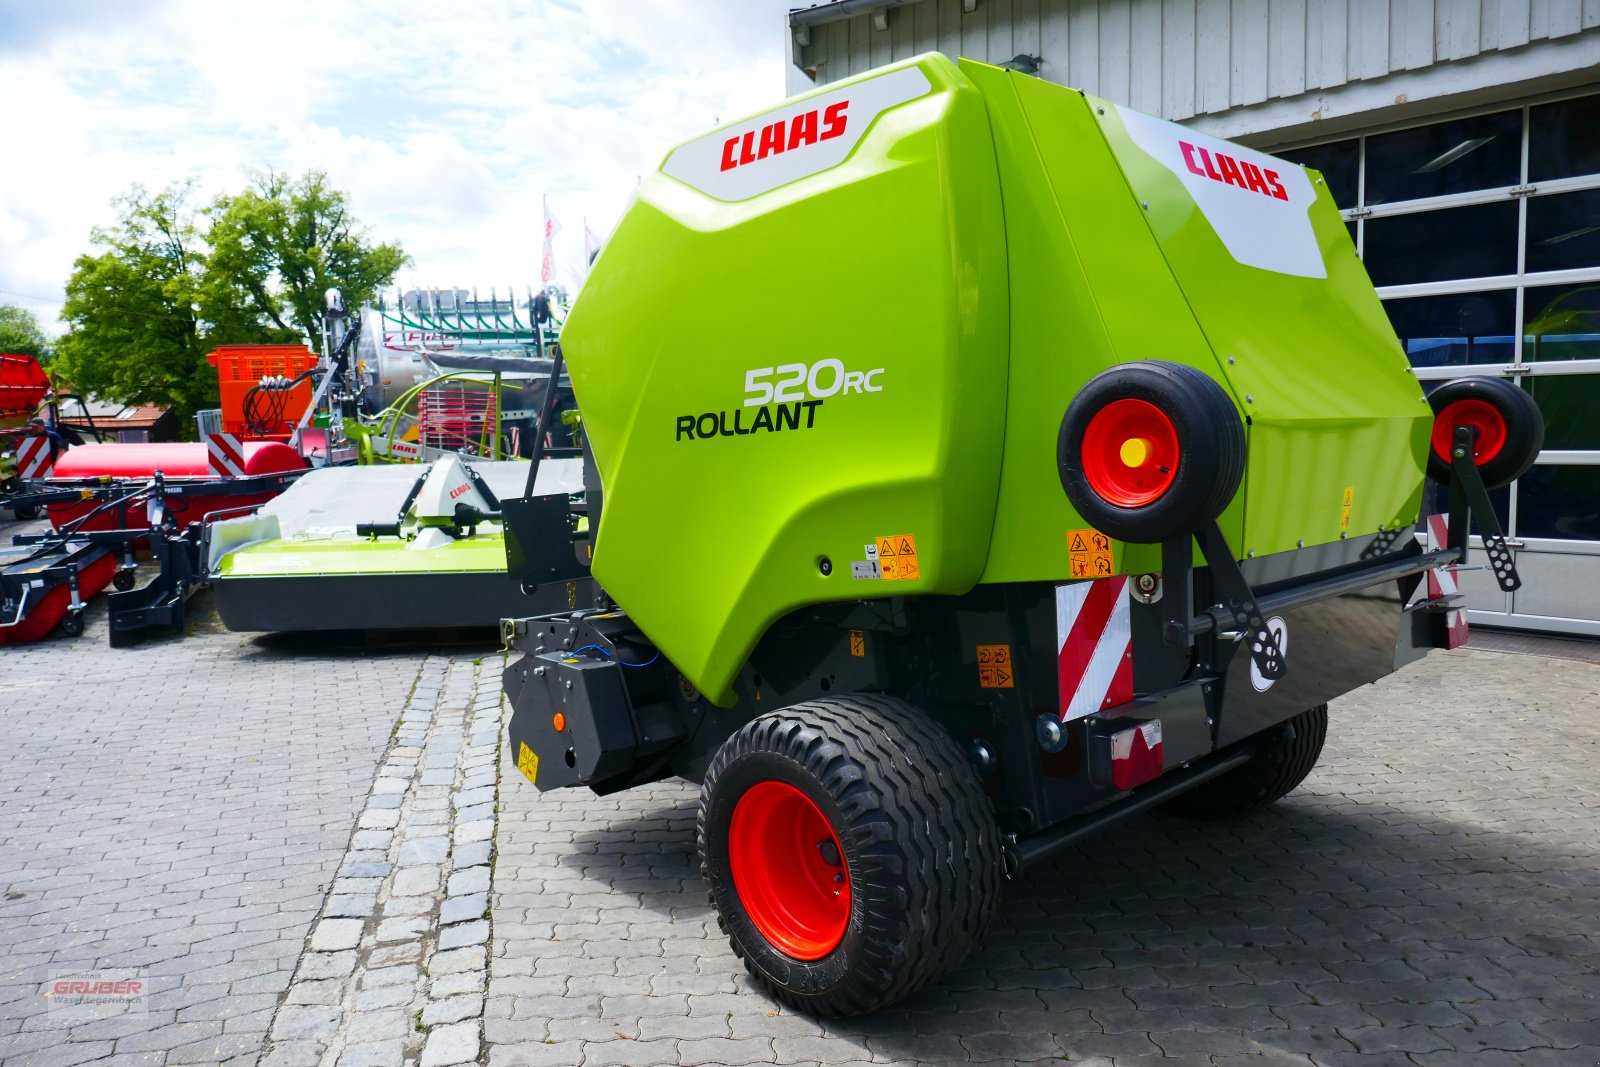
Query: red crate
(241,367)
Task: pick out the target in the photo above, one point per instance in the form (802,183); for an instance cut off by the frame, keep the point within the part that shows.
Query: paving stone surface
(413,988)
(312,859)
(175,812)
(1432,893)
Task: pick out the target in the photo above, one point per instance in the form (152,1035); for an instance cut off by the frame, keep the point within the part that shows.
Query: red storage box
(240,368)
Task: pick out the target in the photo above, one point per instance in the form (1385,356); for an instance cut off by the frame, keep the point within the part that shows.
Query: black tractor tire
(916,833)
(1285,758)
(1524,427)
(1210,437)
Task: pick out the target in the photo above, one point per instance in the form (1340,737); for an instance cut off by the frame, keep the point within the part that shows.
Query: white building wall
(1241,67)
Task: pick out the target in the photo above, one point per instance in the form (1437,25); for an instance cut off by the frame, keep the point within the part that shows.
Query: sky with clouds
(445,123)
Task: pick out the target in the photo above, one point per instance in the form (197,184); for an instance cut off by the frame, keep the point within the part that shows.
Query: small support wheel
(26,514)
(851,854)
(1150,450)
(122,581)
(72,623)
(1508,423)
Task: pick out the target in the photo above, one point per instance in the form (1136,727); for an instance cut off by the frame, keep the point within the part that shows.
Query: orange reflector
(559,722)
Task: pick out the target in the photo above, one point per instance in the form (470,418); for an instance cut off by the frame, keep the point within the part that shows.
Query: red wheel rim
(1481,416)
(1130,453)
(789,871)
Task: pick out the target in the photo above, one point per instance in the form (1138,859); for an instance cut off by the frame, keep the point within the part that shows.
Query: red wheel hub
(789,871)
(1481,416)
(1130,453)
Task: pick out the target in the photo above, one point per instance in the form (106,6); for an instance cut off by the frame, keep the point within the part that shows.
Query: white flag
(547,269)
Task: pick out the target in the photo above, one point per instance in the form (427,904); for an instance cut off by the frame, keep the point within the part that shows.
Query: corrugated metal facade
(1186,58)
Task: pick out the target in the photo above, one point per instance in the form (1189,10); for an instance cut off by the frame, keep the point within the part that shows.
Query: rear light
(1136,755)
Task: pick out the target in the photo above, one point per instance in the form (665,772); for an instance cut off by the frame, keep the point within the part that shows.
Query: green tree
(20,334)
(277,247)
(134,335)
(170,283)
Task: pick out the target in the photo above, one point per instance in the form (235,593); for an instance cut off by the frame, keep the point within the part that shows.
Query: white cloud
(445,123)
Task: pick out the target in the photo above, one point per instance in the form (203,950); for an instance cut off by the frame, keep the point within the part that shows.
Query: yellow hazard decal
(1088,554)
(995,668)
(897,558)
(858,644)
(1344,509)
(528,762)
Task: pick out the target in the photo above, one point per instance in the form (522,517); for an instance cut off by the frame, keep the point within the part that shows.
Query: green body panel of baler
(891,261)
(976,247)
(1335,413)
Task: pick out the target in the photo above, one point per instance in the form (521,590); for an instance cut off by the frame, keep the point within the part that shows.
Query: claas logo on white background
(804,129)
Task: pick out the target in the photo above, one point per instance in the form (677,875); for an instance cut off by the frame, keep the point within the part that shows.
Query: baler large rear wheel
(850,852)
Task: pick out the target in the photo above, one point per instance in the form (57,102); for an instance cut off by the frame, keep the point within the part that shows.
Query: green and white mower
(383,548)
(894,545)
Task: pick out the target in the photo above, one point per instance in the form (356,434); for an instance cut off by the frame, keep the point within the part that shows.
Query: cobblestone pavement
(396,964)
(1430,896)
(175,814)
(296,846)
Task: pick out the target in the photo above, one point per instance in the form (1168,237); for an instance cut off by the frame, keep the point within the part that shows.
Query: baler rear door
(1338,423)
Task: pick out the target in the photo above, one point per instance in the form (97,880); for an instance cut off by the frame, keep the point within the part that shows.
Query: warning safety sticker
(1088,554)
(528,762)
(897,557)
(995,668)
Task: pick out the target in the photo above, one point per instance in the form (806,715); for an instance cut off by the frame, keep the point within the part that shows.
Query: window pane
(1571,406)
(1338,162)
(1483,152)
(1564,139)
(1561,502)
(1431,246)
(1563,322)
(1564,231)
(1443,331)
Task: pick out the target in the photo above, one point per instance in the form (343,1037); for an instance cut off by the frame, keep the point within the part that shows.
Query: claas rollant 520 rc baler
(892,546)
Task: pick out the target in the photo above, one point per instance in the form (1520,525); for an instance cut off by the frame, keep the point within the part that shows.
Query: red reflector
(1136,755)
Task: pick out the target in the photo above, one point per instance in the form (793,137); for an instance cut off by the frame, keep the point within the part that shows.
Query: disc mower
(1074,482)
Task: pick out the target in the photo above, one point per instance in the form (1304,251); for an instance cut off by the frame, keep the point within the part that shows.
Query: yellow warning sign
(994,667)
(1344,510)
(1088,554)
(897,558)
(528,763)
(858,644)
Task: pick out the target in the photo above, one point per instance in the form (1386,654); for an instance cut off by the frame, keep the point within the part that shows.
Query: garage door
(1482,234)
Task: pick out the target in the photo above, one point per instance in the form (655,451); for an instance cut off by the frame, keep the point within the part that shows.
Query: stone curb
(394,968)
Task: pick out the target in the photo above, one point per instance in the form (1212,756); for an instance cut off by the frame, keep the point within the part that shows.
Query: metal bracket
(1236,600)
(1469,501)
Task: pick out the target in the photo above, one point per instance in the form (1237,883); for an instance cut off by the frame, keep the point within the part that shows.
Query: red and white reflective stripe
(1094,646)
(35,457)
(225,454)
(1442,583)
